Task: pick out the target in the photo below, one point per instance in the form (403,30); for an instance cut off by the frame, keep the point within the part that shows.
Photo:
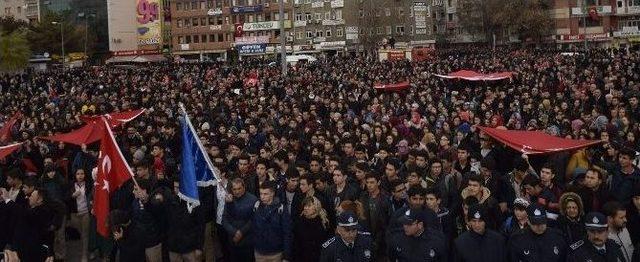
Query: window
(319,33)
(328,32)
(203,21)
(317,16)
(339,14)
(449,17)
(299,17)
(361,13)
(179,24)
(220,38)
(194,5)
(327,15)
(299,35)
(379,30)
(307,16)
(634,2)
(219,20)
(339,32)
(212,38)
(203,5)
(251,19)
(204,38)
(181,40)
(388,30)
(400,30)
(19,9)
(449,3)
(212,21)
(309,34)
(400,11)
(387,11)
(188,39)
(196,39)
(194,22)
(178,6)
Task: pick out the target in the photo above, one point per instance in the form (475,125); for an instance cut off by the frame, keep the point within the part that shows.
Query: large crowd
(319,166)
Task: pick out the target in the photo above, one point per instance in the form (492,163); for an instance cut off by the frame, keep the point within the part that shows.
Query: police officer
(349,245)
(597,247)
(418,241)
(537,243)
(480,243)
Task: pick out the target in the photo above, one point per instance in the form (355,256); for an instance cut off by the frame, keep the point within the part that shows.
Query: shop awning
(536,142)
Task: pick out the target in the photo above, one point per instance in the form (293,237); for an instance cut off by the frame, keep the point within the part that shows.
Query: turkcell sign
(246,9)
(251,49)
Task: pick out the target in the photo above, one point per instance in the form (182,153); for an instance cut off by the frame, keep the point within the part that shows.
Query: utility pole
(283,41)
(61,41)
(584,23)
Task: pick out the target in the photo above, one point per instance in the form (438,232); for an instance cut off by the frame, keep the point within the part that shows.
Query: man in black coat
(538,242)
(417,241)
(597,247)
(32,238)
(480,243)
(128,236)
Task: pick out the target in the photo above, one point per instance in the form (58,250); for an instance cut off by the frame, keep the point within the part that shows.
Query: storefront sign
(602,36)
(261,26)
(337,3)
(217,11)
(333,22)
(245,40)
(246,9)
(215,27)
(133,52)
(332,45)
(148,16)
(251,49)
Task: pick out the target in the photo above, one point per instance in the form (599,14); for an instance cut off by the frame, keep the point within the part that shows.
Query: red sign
(396,56)
(602,36)
(136,52)
(239,30)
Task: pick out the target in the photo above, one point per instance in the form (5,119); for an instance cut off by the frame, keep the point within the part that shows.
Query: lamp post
(86,31)
(61,41)
(283,41)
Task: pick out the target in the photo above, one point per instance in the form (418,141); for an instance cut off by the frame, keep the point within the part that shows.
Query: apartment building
(26,10)
(626,29)
(209,29)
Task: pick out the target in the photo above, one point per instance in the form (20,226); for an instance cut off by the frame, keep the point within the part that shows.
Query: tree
(484,18)
(14,51)
(45,36)
(10,24)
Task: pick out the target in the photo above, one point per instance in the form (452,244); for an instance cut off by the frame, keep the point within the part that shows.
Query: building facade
(626,28)
(209,29)
(577,21)
(18,9)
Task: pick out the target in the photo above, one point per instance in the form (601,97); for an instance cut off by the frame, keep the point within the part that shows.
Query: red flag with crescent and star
(112,172)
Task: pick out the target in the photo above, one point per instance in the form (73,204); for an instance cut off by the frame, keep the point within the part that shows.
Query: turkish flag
(239,30)
(115,119)
(112,172)
(5,131)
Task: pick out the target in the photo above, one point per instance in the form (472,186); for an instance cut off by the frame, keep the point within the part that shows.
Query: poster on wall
(149,22)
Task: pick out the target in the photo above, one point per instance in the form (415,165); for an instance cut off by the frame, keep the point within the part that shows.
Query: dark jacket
(147,218)
(308,236)
(238,216)
(527,246)
(429,246)
(583,250)
(336,250)
(375,211)
(131,245)
(272,229)
(571,230)
(33,232)
(490,247)
(72,205)
(350,192)
(186,229)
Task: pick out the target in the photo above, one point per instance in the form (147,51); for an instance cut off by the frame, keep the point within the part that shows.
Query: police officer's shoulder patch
(328,242)
(576,245)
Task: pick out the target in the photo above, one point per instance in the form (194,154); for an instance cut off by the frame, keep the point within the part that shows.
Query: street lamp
(61,41)
(86,30)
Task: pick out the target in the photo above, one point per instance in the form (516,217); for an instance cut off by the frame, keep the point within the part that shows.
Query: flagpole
(213,169)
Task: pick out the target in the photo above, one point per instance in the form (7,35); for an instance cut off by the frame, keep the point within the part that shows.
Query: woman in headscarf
(571,220)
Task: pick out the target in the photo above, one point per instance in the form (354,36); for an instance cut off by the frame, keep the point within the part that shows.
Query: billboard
(251,49)
(149,18)
(246,9)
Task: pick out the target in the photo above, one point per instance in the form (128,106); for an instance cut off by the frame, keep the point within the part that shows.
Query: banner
(149,22)
(269,25)
(261,39)
(251,49)
(246,9)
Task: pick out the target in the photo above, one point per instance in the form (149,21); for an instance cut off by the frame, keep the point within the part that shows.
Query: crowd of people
(319,166)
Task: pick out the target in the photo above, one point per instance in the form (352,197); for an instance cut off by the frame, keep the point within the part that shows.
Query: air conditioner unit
(289,38)
(266,4)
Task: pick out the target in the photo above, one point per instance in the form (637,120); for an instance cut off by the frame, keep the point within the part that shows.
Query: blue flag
(195,168)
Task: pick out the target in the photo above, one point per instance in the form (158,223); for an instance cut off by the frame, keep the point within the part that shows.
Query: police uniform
(337,250)
(525,245)
(474,247)
(585,251)
(428,246)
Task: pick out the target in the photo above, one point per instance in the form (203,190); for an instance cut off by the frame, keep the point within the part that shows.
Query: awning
(475,76)
(536,142)
(7,150)
(149,58)
(121,59)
